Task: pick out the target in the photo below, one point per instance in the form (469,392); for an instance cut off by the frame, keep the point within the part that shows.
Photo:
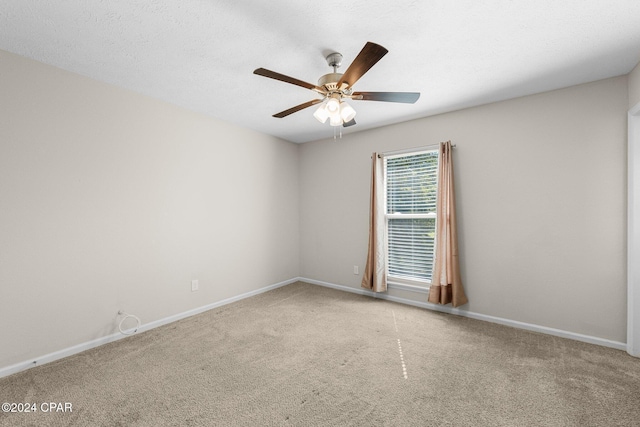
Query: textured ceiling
(200,54)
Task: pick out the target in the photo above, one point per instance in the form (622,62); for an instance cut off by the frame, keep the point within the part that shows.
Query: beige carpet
(304,355)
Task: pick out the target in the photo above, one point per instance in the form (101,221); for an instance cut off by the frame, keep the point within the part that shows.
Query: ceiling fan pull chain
(335,133)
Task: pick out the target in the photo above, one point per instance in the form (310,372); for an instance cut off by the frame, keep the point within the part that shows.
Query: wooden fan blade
(405,97)
(277,76)
(370,54)
(292,110)
(349,123)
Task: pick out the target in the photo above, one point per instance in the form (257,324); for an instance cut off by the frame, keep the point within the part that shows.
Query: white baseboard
(448,309)
(21,366)
(41,360)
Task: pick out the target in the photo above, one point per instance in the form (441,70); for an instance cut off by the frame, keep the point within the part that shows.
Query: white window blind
(411,185)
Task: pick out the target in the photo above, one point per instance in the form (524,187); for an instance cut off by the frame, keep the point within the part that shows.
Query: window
(411,186)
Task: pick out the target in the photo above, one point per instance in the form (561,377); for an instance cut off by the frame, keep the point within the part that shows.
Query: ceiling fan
(336,87)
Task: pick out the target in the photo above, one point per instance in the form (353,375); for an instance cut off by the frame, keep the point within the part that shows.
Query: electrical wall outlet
(356,269)
(195,285)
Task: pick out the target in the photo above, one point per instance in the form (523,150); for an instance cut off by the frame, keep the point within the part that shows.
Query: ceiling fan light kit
(339,112)
(336,87)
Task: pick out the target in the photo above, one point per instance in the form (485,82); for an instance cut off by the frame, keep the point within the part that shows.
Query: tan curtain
(446,285)
(375,278)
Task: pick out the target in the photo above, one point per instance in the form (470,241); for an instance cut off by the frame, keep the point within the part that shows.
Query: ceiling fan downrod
(334,60)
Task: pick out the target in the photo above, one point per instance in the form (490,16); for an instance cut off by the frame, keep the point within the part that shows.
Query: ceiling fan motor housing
(330,81)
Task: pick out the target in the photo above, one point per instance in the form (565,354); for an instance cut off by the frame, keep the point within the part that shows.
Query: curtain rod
(409,150)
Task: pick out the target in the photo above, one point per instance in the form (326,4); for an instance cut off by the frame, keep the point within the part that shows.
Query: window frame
(404,283)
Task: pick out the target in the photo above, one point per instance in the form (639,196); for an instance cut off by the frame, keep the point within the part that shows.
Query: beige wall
(111,200)
(541,197)
(634,86)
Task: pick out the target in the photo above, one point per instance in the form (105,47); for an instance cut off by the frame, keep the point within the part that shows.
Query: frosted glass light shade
(335,120)
(347,112)
(321,114)
(333,105)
